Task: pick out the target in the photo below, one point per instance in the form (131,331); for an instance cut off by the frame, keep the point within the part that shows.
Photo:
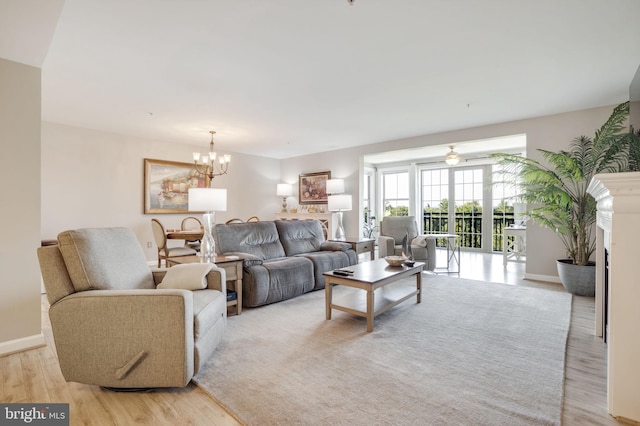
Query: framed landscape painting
(166,186)
(312,188)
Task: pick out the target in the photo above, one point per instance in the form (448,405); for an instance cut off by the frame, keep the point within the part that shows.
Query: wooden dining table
(189,235)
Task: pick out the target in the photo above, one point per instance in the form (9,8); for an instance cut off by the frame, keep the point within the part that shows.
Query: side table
(514,244)
(453,252)
(361,245)
(232,266)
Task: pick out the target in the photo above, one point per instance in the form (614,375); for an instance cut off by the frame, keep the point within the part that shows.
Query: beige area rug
(472,353)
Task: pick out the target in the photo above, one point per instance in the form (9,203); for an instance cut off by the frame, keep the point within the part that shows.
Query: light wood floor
(34,376)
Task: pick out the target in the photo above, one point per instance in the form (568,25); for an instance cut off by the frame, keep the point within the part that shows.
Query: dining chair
(253,219)
(234,220)
(165,252)
(191,223)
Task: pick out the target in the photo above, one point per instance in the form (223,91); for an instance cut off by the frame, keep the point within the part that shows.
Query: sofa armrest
(334,246)
(217,280)
(125,338)
(424,250)
(247,259)
(386,246)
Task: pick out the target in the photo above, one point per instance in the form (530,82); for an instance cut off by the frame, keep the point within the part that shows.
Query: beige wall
(94,179)
(550,132)
(20,206)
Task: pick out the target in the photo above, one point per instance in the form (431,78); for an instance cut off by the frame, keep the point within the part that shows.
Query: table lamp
(339,203)
(284,190)
(208,200)
(335,186)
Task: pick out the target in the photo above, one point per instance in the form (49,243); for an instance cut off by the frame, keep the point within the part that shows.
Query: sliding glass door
(469,201)
(435,201)
(471,195)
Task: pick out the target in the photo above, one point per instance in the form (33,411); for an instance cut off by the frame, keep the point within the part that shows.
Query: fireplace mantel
(618,199)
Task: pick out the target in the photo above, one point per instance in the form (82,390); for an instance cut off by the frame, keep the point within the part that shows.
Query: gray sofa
(281,259)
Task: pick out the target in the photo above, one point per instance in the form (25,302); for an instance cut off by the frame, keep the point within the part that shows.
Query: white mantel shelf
(618,199)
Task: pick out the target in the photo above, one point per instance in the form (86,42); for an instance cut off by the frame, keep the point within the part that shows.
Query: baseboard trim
(22,344)
(545,278)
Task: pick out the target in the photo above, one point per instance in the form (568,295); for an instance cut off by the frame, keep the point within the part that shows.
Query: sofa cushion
(257,238)
(335,246)
(105,259)
(300,236)
(276,280)
(324,261)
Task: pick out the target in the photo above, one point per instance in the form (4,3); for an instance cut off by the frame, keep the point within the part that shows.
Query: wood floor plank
(12,378)
(33,376)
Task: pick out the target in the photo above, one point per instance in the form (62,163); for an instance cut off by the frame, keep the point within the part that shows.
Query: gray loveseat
(281,259)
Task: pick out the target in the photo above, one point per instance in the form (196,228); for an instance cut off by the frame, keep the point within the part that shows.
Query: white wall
(551,132)
(20,212)
(95,179)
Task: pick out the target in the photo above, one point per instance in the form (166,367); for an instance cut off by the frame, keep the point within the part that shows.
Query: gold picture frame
(166,186)
(312,188)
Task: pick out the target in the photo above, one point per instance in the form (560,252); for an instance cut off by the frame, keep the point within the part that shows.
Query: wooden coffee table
(370,276)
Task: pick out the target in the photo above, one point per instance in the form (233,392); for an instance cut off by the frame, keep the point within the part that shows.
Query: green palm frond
(633,141)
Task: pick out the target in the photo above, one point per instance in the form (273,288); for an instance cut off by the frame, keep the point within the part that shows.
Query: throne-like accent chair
(396,229)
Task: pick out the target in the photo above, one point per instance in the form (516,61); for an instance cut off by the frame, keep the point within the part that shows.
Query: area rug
(472,353)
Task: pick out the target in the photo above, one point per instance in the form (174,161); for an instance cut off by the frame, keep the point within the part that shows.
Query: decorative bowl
(395,260)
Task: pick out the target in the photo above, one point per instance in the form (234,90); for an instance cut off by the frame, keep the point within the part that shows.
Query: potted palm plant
(556,192)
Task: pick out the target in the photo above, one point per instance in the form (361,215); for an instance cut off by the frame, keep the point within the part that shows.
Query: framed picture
(166,186)
(312,188)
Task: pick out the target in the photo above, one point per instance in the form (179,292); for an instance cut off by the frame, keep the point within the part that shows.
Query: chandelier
(209,166)
(452,157)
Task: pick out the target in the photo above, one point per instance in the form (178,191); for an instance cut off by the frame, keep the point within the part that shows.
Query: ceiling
(466,150)
(283,78)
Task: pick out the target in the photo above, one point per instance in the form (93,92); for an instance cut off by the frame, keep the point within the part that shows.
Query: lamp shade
(340,202)
(207,199)
(335,186)
(284,190)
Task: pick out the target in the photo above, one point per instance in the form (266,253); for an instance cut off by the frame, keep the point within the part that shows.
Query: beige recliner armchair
(393,230)
(112,327)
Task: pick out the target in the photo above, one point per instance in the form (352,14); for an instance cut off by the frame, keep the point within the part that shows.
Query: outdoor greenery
(556,192)
(467,222)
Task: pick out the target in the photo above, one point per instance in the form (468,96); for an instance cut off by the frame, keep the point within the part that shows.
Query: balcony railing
(468,226)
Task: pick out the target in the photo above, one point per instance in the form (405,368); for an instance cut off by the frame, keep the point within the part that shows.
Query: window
(468,206)
(503,209)
(471,193)
(435,201)
(395,195)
